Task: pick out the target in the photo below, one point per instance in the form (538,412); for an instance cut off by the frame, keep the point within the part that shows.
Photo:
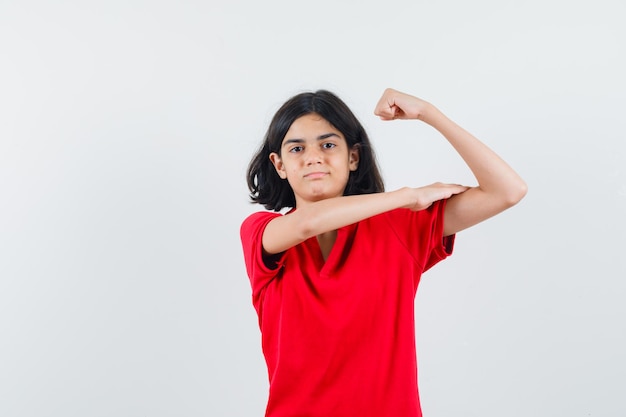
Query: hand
(396,105)
(423,197)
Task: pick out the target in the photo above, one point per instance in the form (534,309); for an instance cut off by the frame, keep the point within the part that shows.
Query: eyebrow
(320,137)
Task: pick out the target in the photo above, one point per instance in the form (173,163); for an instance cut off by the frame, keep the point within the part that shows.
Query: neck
(326,241)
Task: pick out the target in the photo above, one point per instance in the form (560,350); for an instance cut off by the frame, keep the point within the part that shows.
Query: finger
(459,189)
(386,107)
(388,112)
(383,110)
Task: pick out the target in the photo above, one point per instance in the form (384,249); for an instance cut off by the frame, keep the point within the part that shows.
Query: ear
(278,165)
(354,158)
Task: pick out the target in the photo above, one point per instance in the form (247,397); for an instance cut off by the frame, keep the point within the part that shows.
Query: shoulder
(260,215)
(255,222)
(409,224)
(400,215)
(421,233)
(403,218)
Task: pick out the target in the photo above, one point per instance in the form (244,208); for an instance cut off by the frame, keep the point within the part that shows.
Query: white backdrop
(125,131)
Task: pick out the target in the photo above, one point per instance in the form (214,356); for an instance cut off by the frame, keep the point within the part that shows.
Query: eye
(296,149)
(328,145)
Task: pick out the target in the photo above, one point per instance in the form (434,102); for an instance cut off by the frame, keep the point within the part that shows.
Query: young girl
(334,279)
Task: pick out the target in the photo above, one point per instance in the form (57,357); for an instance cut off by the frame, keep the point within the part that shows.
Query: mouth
(315,175)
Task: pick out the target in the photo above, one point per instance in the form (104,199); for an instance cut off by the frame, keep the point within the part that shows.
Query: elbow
(515,193)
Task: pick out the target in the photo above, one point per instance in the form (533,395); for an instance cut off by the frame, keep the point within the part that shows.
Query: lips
(315,175)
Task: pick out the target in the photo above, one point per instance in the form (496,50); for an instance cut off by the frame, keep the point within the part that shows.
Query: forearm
(327,215)
(331,214)
(493,174)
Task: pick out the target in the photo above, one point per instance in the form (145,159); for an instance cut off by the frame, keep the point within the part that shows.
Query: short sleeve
(421,232)
(260,269)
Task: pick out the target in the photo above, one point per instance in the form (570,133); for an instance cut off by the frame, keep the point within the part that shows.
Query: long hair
(274,193)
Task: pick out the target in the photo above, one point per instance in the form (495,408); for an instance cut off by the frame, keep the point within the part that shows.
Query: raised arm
(499,186)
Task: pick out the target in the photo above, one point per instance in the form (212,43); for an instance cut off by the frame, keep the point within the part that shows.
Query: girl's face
(315,159)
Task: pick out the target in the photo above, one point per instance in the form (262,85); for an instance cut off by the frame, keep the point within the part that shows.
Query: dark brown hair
(274,193)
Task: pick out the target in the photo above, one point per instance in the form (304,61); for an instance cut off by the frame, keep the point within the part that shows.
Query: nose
(313,155)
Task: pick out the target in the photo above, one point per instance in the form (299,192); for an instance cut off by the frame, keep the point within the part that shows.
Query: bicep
(470,208)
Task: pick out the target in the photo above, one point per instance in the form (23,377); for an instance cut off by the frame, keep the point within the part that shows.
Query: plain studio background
(125,131)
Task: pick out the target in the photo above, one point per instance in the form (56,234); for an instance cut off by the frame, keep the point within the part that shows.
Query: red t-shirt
(339,336)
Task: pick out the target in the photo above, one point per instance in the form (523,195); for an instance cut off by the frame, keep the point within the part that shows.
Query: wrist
(429,114)
(402,197)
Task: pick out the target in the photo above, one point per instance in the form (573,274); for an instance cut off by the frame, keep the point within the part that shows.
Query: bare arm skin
(331,214)
(499,187)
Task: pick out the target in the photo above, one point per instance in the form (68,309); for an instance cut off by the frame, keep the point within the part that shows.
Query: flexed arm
(499,186)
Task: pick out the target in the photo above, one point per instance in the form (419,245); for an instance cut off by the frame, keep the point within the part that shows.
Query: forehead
(309,125)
